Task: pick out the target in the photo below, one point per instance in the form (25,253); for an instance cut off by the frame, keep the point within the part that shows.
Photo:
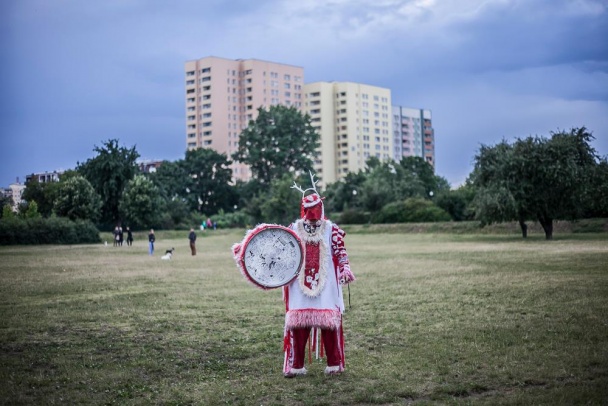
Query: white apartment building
(223,95)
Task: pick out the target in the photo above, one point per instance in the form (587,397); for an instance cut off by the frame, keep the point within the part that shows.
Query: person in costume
(314,299)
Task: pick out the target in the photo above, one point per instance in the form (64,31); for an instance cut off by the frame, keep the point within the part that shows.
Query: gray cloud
(82,72)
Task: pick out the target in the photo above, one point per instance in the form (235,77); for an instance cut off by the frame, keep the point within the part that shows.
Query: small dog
(168,254)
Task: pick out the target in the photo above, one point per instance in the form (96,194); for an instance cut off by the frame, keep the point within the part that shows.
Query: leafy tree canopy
(142,205)
(280,140)
(535,178)
(109,172)
(76,199)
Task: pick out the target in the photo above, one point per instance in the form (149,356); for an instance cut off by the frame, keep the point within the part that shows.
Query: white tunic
(322,305)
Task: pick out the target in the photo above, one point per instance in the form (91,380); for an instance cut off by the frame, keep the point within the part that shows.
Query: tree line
(529,179)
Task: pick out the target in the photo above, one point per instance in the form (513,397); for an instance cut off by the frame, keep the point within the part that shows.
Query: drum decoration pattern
(270,256)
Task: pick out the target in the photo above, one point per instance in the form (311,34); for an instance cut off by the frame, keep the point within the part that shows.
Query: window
(190,91)
(286,77)
(191,135)
(206,79)
(190,82)
(191,100)
(190,73)
(191,117)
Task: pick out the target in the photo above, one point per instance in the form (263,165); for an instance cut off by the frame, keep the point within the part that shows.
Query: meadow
(432,319)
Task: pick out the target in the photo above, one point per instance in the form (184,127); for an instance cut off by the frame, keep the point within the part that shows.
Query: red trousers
(331,342)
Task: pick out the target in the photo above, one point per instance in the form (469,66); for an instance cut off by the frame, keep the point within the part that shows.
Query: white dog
(168,254)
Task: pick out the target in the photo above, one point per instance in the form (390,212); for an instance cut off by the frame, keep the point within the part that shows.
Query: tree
(7,212)
(5,201)
(597,197)
(208,177)
(457,202)
(535,178)
(389,181)
(109,172)
(280,140)
(32,210)
(345,194)
(76,199)
(142,204)
(172,179)
(43,194)
(201,180)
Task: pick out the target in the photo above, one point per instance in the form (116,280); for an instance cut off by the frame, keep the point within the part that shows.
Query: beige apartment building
(354,121)
(223,95)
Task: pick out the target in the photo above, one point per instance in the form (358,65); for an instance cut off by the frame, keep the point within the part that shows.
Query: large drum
(270,256)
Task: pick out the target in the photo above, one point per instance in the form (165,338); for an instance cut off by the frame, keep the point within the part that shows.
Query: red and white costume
(314,300)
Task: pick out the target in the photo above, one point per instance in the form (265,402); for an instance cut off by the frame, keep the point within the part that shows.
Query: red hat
(312,207)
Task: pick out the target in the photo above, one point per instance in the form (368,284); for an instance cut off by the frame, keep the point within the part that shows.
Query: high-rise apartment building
(413,134)
(223,95)
(354,121)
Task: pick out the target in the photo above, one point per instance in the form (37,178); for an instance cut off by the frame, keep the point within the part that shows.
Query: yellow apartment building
(354,121)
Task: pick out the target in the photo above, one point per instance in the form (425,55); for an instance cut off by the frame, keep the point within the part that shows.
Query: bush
(53,230)
(412,210)
(238,219)
(354,216)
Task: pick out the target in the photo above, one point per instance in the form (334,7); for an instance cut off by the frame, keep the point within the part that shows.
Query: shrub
(238,219)
(412,210)
(354,216)
(53,230)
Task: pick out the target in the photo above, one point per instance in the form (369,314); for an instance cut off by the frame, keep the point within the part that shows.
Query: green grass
(434,319)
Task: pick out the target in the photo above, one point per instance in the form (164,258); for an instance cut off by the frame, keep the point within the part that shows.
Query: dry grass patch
(433,319)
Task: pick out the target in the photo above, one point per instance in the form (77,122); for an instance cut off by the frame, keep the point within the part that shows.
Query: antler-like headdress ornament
(311,200)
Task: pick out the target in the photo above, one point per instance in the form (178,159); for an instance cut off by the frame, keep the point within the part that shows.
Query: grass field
(433,319)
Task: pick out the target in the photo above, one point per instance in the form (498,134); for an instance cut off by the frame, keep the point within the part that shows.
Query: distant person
(120,236)
(209,223)
(151,240)
(115,236)
(129,237)
(192,238)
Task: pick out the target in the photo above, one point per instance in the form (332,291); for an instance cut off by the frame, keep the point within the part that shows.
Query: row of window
(364,96)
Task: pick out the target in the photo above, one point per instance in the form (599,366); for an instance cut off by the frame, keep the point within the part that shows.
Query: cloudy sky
(76,73)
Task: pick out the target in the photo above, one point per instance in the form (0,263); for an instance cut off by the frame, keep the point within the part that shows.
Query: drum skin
(270,256)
